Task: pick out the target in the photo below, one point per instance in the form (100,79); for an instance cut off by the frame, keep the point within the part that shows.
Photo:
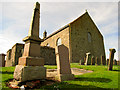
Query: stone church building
(80,37)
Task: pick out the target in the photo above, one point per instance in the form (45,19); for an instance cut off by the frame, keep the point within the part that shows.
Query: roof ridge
(64,27)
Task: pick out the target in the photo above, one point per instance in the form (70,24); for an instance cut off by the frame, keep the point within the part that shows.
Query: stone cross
(87,58)
(111,57)
(63,64)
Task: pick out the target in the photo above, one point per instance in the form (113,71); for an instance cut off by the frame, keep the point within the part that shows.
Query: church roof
(59,30)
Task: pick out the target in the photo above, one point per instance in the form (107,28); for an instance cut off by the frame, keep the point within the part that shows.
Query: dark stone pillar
(111,57)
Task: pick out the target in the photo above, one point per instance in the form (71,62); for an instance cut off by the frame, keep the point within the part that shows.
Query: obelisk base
(31,61)
(25,73)
(64,77)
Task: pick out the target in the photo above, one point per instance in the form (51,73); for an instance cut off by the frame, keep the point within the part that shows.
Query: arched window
(89,37)
(47,44)
(58,42)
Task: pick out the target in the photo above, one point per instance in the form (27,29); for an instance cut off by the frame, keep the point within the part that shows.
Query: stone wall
(14,54)
(2,60)
(8,59)
(80,37)
(52,40)
(81,44)
(48,54)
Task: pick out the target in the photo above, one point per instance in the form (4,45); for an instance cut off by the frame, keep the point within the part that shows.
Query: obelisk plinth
(31,65)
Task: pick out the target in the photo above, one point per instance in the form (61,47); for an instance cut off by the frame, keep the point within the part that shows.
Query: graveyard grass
(99,79)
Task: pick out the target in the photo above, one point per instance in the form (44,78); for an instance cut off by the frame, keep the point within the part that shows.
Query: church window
(48,44)
(89,37)
(58,42)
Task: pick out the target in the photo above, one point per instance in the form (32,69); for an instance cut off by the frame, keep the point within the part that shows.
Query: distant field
(99,79)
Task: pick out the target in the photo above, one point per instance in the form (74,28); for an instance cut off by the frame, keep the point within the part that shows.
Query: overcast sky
(15,20)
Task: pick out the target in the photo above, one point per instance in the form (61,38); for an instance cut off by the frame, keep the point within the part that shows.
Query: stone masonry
(63,64)
(80,36)
(2,60)
(111,57)
(31,65)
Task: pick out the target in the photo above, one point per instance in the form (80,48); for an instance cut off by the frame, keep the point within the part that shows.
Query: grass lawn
(99,79)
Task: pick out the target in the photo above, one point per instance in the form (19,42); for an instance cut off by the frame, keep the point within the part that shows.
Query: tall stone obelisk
(32,42)
(31,65)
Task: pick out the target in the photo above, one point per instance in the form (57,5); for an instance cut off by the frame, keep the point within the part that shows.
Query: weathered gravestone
(81,62)
(63,64)
(96,60)
(2,60)
(92,60)
(103,61)
(111,57)
(31,65)
(88,60)
(114,62)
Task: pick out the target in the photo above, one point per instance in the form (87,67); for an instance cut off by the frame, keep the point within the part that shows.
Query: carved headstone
(88,60)
(63,64)
(31,61)
(111,57)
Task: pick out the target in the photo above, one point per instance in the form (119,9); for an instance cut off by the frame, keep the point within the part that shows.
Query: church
(80,36)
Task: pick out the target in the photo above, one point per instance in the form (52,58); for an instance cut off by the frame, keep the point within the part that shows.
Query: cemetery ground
(100,78)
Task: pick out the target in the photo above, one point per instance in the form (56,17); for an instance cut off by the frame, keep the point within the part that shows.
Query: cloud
(16,19)
(111,42)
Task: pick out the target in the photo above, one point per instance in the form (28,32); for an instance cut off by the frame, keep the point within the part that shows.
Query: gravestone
(111,57)
(92,60)
(114,62)
(96,60)
(88,60)
(63,64)
(31,65)
(2,60)
(80,62)
(103,61)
